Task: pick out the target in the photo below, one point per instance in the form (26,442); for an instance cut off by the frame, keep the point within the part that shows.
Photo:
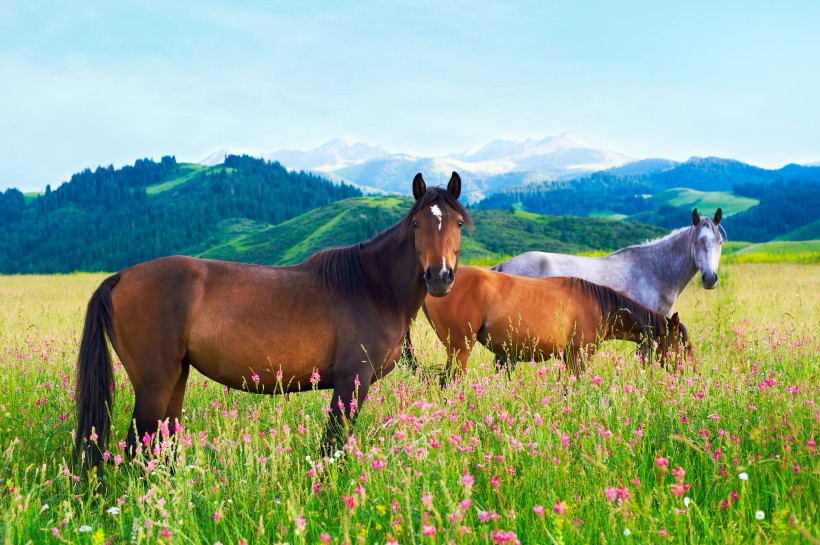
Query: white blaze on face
(437,213)
(714,251)
(443,266)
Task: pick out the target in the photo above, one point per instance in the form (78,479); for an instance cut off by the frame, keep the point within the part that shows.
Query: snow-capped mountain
(336,153)
(568,151)
(489,168)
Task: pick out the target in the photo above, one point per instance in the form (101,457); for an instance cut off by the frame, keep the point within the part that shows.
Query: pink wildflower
(538,510)
(560,508)
(301,524)
(427,500)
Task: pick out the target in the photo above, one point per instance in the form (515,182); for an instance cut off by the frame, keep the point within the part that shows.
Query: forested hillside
(109,218)
(759,204)
(498,234)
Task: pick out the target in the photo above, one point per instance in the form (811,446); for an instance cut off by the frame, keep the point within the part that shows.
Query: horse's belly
(263,356)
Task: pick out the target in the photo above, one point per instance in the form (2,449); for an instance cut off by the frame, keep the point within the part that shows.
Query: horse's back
(546,265)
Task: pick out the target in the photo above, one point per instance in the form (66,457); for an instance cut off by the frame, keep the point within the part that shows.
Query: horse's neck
(393,262)
(624,328)
(668,262)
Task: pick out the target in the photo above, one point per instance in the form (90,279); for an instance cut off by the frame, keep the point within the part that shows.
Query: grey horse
(654,273)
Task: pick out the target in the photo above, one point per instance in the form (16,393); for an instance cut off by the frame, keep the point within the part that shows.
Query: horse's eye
(414,224)
(460,223)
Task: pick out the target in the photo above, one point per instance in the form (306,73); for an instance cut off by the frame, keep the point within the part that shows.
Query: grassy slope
(807,232)
(807,251)
(706,200)
(499,234)
(186,172)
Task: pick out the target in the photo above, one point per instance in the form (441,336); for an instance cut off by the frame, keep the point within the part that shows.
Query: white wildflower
(760,515)
(627,533)
(686,501)
(743,476)
(85,528)
(113,511)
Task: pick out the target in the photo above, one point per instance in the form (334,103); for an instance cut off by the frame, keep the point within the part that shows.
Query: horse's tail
(95,378)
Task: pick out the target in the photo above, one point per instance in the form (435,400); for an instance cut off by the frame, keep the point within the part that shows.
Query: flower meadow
(723,451)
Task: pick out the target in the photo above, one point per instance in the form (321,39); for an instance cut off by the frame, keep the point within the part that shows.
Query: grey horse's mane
(674,234)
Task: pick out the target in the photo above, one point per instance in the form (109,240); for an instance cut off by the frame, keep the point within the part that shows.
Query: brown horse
(336,320)
(524,318)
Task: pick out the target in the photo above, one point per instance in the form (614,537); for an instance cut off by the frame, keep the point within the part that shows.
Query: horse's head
(675,342)
(436,220)
(706,246)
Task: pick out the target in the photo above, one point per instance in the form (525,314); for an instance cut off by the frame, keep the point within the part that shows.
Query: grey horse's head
(706,246)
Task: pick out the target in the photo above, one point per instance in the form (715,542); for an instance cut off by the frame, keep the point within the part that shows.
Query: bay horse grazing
(654,274)
(529,318)
(337,320)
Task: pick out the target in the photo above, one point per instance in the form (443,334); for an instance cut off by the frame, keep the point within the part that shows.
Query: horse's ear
(454,185)
(695,217)
(718,216)
(419,187)
(674,321)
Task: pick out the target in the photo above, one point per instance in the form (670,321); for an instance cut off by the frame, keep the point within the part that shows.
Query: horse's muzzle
(439,281)
(709,280)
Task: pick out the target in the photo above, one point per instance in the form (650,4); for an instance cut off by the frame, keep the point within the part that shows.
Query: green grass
(774,252)
(707,201)
(31,195)
(471,463)
(186,172)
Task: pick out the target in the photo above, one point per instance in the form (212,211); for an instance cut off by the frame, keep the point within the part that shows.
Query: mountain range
(490,168)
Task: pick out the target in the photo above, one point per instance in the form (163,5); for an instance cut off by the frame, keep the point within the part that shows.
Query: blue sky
(90,83)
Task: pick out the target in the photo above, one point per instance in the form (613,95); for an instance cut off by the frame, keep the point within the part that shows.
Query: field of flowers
(725,452)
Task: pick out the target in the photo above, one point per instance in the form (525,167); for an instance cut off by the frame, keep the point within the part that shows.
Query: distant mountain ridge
(490,168)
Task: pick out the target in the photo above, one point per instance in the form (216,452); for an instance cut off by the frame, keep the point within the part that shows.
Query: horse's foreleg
(347,400)
(174,410)
(407,354)
(457,356)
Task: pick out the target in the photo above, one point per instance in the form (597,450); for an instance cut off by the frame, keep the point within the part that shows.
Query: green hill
(498,234)
(109,219)
(683,197)
(807,232)
(807,251)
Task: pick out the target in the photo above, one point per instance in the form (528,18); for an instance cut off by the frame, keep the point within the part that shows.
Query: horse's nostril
(451,275)
(428,275)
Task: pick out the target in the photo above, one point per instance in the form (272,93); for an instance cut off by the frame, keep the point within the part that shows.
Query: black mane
(614,302)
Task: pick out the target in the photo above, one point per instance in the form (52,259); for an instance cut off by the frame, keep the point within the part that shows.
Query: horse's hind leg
(154,400)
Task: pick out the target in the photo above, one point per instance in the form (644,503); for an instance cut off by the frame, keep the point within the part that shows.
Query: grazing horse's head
(436,220)
(675,342)
(706,245)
